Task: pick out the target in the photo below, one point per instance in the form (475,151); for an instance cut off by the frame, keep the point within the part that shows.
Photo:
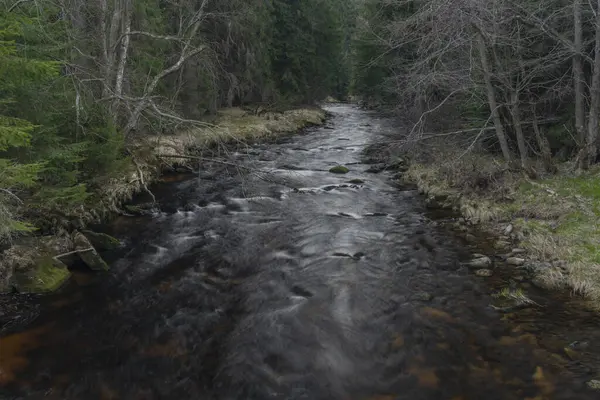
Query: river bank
(287,275)
(547,229)
(38,264)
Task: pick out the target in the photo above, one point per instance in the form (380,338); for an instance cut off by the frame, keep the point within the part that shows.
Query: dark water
(279,280)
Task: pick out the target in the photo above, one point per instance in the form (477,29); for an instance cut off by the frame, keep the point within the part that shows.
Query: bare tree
(578,74)
(589,147)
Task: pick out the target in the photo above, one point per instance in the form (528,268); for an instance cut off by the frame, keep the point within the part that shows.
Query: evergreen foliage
(72,74)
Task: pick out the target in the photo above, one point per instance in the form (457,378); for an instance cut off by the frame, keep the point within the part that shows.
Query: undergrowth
(557,215)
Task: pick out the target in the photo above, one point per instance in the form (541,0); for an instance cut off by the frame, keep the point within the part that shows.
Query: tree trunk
(123,53)
(516,121)
(578,74)
(543,144)
(492,98)
(588,153)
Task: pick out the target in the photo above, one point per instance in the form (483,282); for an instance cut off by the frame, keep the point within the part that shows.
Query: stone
(470,238)
(517,251)
(501,244)
(339,169)
(508,230)
(481,262)
(48,275)
(484,273)
(423,296)
(88,253)
(356,181)
(594,384)
(572,354)
(92,259)
(102,241)
(516,261)
(374,169)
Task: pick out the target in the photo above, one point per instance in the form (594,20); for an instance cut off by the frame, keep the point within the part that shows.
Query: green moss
(102,241)
(356,181)
(46,276)
(339,169)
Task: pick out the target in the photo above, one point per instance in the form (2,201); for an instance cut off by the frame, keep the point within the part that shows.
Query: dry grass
(231,126)
(558,216)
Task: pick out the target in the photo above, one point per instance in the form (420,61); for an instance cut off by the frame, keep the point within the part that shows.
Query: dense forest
(523,76)
(81,80)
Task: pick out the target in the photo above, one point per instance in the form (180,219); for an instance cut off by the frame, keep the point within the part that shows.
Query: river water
(272,278)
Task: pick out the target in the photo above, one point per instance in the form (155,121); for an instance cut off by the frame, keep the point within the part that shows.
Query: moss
(339,169)
(557,215)
(356,181)
(102,241)
(46,276)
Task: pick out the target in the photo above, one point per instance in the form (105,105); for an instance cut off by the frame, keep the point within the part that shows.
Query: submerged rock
(423,296)
(484,273)
(339,169)
(481,262)
(375,169)
(356,181)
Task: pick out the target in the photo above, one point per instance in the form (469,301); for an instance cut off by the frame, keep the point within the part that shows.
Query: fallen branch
(72,252)
(202,159)
(141,175)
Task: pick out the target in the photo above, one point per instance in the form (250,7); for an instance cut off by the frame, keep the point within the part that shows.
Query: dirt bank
(39,264)
(547,227)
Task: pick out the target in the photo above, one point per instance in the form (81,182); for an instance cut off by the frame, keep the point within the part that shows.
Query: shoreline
(545,229)
(39,264)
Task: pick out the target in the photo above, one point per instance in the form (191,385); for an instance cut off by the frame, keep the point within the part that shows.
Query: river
(272,278)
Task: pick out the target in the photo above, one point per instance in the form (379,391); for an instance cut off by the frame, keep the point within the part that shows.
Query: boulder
(339,169)
(516,261)
(356,181)
(88,253)
(102,241)
(484,273)
(47,275)
(594,384)
(481,262)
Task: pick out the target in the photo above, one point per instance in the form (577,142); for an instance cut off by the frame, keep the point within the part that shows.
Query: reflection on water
(289,282)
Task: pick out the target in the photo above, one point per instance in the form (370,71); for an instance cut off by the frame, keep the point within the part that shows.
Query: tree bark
(578,74)
(543,144)
(123,53)
(516,121)
(589,149)
(492,98)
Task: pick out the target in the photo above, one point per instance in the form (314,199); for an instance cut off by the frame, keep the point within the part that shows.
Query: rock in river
(515,261)
(481,262)
(102,241)
(339,169)
(88,253)
(484,273)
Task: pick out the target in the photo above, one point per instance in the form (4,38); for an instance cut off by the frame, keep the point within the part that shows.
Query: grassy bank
(554,218)
(30,263)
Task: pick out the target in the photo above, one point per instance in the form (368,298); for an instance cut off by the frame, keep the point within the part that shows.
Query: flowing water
(272,278)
